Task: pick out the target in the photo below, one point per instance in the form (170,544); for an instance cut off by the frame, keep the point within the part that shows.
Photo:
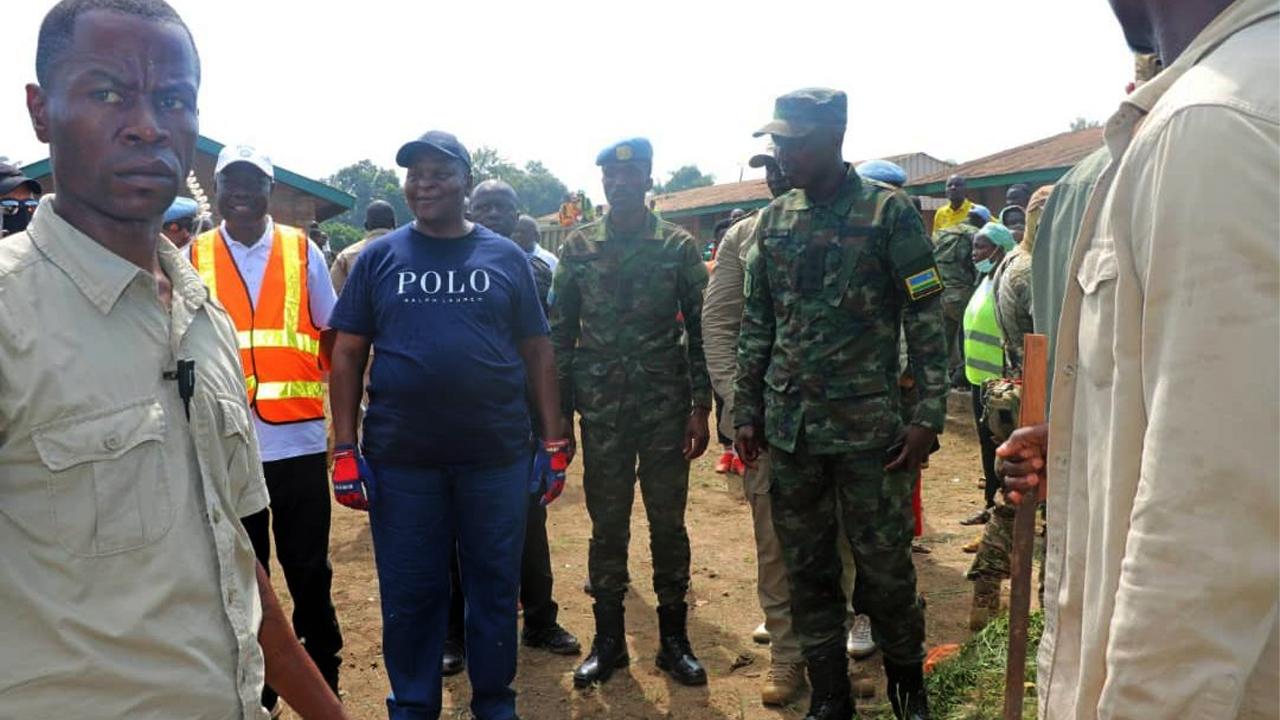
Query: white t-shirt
(279,442)
(546,256)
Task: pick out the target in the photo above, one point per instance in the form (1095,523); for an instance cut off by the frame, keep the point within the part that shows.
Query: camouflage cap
(635,149)
(799,113)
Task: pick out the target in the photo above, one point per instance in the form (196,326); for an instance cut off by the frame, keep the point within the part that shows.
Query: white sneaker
(761,634)
(860,644)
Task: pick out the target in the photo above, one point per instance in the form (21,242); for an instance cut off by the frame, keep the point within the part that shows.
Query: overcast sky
(320,85)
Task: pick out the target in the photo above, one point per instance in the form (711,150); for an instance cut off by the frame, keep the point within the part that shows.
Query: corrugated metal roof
(1059,151)
(747,191)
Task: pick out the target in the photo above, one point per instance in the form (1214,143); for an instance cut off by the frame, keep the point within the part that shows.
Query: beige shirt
(126,580)
(1162,581)
(722,313)
(346,259)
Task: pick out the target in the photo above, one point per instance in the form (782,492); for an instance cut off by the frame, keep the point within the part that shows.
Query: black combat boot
(608,649)
(829,679)
(675,657)
(906,691)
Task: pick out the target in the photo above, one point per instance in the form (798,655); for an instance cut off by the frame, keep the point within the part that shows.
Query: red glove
(348,481)
(549,468)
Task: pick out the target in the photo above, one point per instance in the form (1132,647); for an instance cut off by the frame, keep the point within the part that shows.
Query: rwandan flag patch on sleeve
(923,284)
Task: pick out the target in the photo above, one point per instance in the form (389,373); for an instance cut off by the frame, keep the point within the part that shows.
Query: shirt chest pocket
(1097,279)
(240,462)
(107,488)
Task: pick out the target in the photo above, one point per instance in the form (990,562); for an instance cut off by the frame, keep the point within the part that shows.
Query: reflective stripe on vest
(279,345)
(983,342)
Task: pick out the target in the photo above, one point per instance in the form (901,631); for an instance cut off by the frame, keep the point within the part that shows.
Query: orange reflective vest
(279,345)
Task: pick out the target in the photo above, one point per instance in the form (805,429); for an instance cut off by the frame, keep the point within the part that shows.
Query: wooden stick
(1033,402)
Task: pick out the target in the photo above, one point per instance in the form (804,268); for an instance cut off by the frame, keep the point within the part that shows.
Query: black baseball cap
(436,141)
(11,177)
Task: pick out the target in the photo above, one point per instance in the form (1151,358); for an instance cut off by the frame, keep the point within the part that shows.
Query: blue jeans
(417,515)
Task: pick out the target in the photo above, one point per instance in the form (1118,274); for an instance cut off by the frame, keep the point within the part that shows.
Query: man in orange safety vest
(275,285)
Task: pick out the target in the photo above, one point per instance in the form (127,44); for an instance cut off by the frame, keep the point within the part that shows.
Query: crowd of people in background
(176,397)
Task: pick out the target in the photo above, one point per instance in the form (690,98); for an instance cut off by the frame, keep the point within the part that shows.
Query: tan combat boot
(986,603)
(782,683)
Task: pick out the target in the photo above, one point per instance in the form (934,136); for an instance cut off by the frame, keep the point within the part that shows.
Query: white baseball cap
(233,154)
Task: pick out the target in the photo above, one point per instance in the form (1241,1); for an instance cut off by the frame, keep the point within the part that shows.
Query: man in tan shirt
(721,322)
(126,452)
(379,219)
(1161,574)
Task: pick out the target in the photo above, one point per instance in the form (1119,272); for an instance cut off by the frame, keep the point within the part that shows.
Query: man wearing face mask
(275,284)
(19,196)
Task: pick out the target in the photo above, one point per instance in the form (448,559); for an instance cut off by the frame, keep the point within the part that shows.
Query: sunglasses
(9,206)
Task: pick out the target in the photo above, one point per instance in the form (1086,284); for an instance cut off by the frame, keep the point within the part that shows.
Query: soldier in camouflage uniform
(953,253)
(839,262)
(643,394)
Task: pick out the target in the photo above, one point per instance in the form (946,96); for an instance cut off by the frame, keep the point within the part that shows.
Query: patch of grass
(970,685)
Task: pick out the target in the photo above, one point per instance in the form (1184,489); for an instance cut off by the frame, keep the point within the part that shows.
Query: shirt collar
(1236,17)
(263,242)
(99,274)
(850,190)
(606,230)
(186,282)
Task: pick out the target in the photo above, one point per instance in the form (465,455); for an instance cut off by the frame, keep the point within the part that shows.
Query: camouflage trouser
(994,560)
(610,469)
(952,321)
(876,512)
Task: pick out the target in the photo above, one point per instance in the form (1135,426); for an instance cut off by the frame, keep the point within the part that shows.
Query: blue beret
(884,171)
(182,207)
(630,150)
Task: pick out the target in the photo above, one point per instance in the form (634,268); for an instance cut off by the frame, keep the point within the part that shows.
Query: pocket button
(112,442)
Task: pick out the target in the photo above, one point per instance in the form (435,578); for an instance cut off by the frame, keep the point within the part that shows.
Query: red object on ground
(938,655)
(917,507)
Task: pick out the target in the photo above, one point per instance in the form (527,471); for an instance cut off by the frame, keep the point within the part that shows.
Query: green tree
(368,182)
(540,191)
(341,234)
(685,178)
(1084,124)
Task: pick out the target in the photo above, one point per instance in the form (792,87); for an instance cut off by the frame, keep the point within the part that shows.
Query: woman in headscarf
(984,351)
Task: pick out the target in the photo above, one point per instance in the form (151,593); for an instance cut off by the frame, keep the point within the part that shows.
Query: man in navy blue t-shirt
(458,326)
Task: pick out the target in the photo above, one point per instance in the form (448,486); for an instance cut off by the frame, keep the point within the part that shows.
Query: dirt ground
(724,609)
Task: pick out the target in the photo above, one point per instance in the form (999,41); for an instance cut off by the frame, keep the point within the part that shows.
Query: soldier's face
(776,180)
(625,185)
(803,159)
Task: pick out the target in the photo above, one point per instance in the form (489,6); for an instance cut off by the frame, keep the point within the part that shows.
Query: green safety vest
(983,341)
